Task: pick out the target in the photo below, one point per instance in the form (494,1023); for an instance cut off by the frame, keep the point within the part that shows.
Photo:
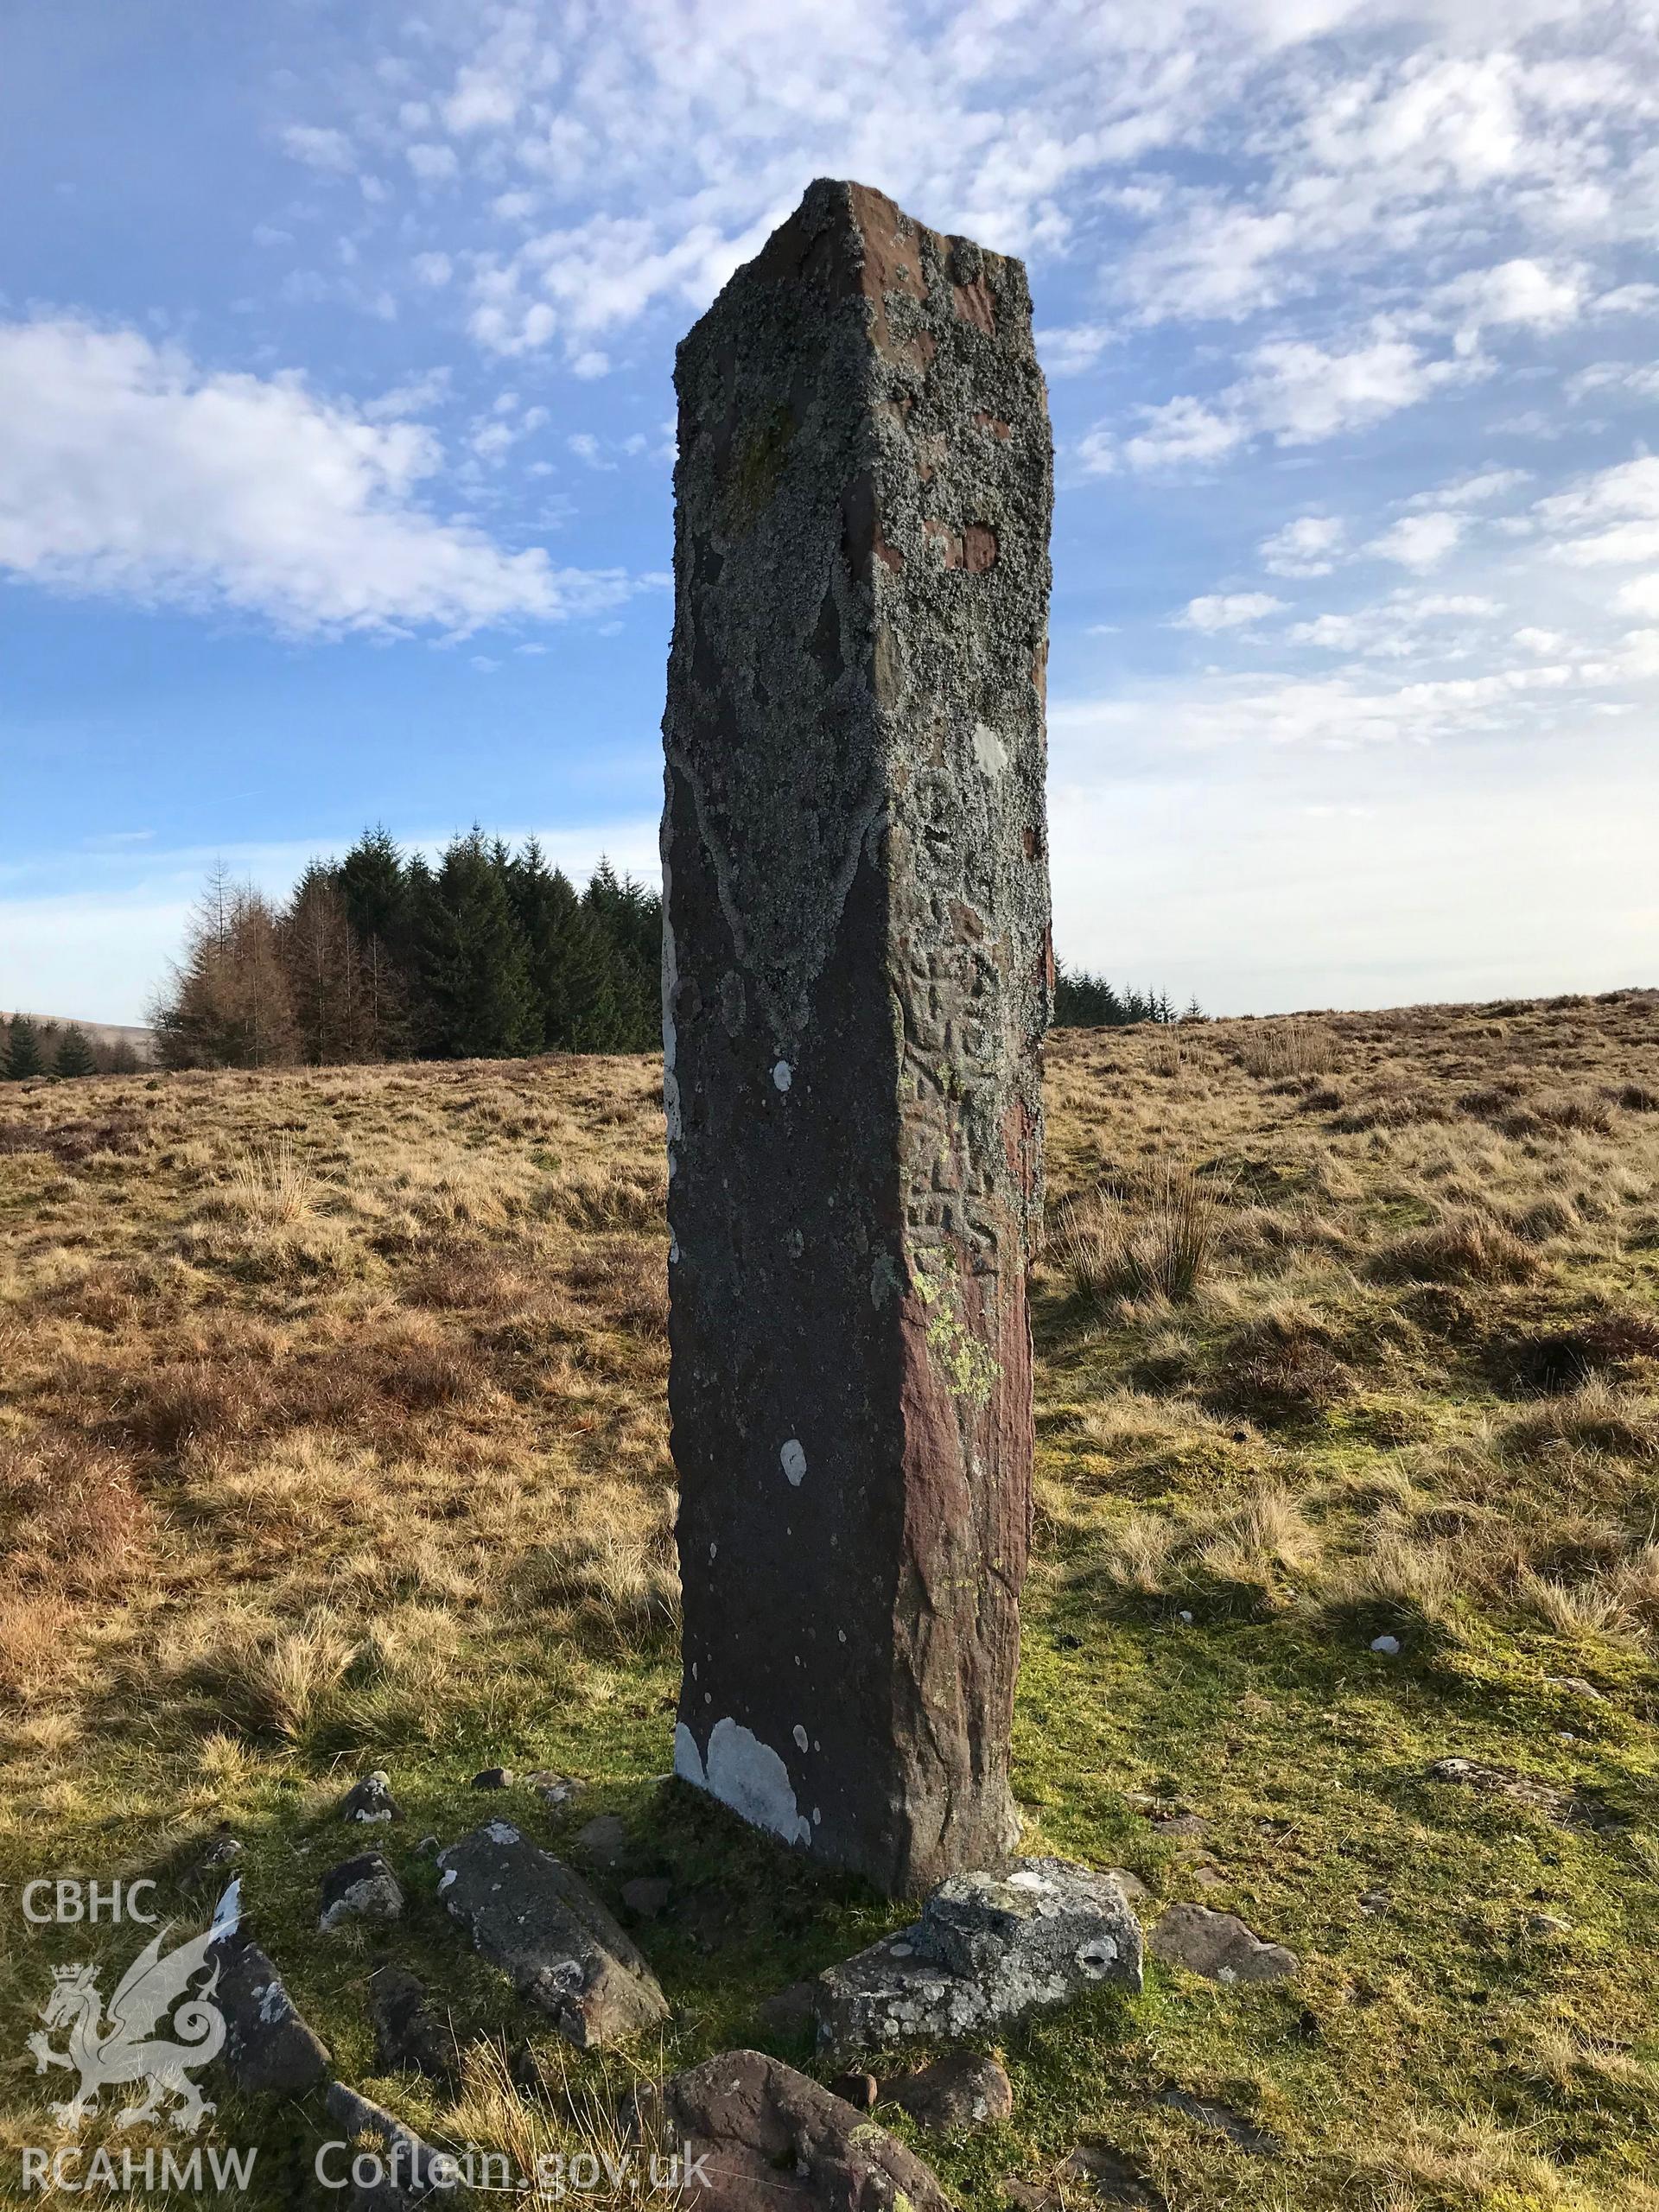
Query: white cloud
(1178,432)
(1612,518)
(1641,596)
(329,151)
(433,268)
(1474,489)
(1639,378)
(1419,542)
(1628,299)
(1069,351)
(1534,640)
(126,469)
(1301,393)
(1228,610)
(1306,547)
(1520,292)
(432,163)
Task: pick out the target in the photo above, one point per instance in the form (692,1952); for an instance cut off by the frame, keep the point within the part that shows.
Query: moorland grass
(331,1435)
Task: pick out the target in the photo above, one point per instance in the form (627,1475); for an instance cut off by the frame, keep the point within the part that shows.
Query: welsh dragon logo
(111,2052)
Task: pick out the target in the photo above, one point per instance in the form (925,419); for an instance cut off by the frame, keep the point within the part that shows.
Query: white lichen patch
(989,750)
(745,1774)
(792,1458)
(782,1074)
(799,1734)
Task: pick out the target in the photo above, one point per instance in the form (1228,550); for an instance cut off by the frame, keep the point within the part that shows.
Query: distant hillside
(142,1040)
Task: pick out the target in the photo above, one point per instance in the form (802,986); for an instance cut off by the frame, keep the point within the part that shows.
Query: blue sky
(336,444)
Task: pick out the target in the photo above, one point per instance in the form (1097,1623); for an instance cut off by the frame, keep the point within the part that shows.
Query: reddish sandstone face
(857,980)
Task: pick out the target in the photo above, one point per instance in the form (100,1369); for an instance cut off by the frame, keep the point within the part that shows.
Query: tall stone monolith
(857,977)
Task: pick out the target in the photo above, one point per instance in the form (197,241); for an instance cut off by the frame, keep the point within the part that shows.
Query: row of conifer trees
(488,954)
(29,1048)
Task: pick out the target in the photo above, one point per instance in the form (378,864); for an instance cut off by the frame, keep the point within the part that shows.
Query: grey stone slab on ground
(364,1888)
(268,2049)
(988,1948)
(412,2170)
(857,977)
(544,1927)
(1219,1945)
(759,2136)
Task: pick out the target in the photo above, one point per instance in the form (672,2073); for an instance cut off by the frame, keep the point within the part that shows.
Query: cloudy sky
(335,447)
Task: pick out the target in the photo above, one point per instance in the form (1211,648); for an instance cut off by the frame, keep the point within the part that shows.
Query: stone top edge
(804,248)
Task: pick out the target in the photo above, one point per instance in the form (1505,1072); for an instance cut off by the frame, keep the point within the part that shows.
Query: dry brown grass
(284,1353)
(294,1366)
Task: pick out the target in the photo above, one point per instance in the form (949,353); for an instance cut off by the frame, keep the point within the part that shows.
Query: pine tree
(474,968)
(374,883)
(631,918)
(574,971)
(74,1054)
(23,1055)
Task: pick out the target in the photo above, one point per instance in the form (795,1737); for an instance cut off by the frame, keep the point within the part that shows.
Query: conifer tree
(631,918)
(474,971)
(573,968)
(23,1055)
(74,1054)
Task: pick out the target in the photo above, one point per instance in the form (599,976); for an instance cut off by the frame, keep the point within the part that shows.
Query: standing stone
(857,977)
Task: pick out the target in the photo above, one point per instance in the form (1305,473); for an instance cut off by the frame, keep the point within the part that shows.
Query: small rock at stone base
(269,2050)
(1219,1945)
(1388,1645)
(860,2090)
(1210,1878)
(1375,1902)
(988,1947)
(556,1790)
(604,1839)
(1575,1686)
(647,1895)
(769,2140)
(1547,1923)
(1131,1884)
(407,2032)
(371,1800)
(544,1927)
(492,1777)
(364,1888)
(960,2090)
